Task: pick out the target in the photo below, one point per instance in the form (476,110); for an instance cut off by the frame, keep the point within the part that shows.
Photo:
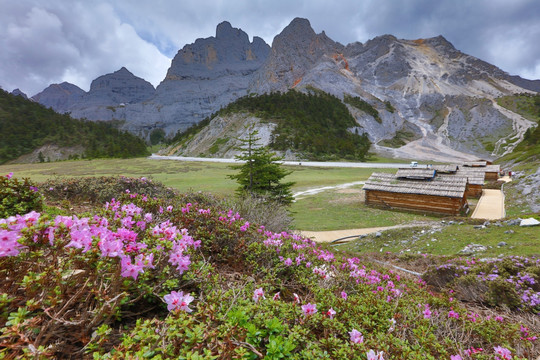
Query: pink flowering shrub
(131,281)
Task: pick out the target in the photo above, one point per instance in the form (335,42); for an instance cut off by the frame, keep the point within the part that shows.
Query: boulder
(529,222)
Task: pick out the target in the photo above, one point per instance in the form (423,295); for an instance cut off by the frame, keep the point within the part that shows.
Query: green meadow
(327,210)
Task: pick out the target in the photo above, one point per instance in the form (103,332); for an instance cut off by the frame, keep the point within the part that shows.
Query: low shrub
(98,190)
(272,214)
(511,282)
(18,197)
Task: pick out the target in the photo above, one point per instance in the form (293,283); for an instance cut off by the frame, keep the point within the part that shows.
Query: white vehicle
(414,163)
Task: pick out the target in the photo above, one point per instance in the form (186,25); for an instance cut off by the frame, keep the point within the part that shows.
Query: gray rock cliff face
(60,97)
(110,94)
(203,77)
(295,51)
(443,98)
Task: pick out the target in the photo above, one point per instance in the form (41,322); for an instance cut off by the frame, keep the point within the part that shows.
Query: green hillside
(26,125)
(315,125)
(528,106)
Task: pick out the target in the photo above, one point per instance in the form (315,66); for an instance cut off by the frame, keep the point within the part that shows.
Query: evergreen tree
(261,173)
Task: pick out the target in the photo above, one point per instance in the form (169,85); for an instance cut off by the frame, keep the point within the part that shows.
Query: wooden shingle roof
(487,168)
(473,177)
(445,168)
(475,164)
(418,174)
(450,186)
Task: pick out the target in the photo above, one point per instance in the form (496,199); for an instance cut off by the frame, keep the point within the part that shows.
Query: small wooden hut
(435,195)
(475,180)
(491,171)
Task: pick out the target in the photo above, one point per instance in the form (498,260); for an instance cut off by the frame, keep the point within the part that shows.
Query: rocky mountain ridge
(424,90)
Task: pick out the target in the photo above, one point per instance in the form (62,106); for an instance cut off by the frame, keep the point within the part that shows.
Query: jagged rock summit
(60,97)
(119,87)
(203,77)
(295,51)
(18,92)
(228,53)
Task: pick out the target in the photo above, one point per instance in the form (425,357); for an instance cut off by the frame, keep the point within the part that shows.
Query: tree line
(26,125)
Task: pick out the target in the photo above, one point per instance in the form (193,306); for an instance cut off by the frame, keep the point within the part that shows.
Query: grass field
(329,210)
(451,239)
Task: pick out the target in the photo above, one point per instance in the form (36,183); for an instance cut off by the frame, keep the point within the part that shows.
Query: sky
(50,41)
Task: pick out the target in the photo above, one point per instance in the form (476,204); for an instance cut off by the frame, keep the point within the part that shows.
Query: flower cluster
(518,272)
(178,301)
(120,233)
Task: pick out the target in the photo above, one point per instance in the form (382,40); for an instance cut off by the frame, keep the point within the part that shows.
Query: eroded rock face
(295,51)
(424,90)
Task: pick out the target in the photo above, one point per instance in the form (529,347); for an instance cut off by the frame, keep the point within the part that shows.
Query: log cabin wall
(424,203)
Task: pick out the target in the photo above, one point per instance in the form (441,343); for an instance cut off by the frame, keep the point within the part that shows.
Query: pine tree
(261,173)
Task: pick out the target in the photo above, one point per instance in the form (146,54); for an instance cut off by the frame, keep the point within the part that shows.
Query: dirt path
(329,236)
(301,194)
(490,206)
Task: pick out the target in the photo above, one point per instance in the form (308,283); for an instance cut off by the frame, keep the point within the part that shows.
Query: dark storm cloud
(46,41)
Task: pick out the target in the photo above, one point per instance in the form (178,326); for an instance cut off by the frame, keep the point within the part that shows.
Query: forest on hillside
(315,124)
(26,125)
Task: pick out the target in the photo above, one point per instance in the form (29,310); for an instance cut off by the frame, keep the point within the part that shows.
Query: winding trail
(351,234)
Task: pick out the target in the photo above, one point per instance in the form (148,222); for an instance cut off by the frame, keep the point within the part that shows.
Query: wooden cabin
(475,180)
(491,171)
(434,195)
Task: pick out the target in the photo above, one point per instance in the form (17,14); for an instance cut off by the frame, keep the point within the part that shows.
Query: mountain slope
(433,102)
(445,98)
(315,126)
(41,134)
(203,77)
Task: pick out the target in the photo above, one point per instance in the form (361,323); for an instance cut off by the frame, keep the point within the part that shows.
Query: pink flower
(288,262)
(245,226)
(111,248)
(427,311)
(258,294)
(499,318)
(129,269)
(456,357)
(127,222)
(309,309)
(181,261)
(344,295)
(10,175)
(372,355)
(276,296)
(178,301)
(330,313)
(473,350)
(504,352)
(356,336)
(9,246)
(453,314)
(296,298)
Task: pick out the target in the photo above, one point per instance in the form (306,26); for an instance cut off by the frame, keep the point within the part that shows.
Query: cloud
(53,42)
(48,41)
